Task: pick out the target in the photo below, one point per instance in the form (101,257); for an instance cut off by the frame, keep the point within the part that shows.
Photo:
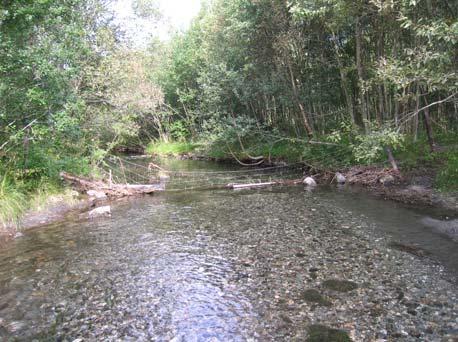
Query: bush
(163,148)
(447,177)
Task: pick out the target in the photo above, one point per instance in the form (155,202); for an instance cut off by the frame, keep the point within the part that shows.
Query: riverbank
(423,180)
(414,187)
(411,188)
(42,210)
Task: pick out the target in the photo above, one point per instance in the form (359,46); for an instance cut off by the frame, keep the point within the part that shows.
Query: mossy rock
(313,296)
(340,285)
(322,333)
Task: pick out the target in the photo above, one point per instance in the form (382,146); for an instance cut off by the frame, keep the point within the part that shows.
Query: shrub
(12,202)
(447,177)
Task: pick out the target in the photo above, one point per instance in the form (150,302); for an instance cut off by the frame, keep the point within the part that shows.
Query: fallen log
(251,185)
(83,184)
(263,185)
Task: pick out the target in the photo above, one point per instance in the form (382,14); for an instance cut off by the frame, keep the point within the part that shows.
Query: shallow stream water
(223,265)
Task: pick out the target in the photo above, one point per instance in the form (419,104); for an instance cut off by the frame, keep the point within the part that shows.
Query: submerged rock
(411,249)
(322,333)
(313,296)
(100,211)
(340,285)
(449,228)
(309,181)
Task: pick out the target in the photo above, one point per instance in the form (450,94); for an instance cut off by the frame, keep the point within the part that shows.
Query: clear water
(206,265)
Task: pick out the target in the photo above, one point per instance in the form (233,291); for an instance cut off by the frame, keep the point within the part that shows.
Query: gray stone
(340,178)
(387,180)
(18,235)
(449,228)
(100,211)
(309,181)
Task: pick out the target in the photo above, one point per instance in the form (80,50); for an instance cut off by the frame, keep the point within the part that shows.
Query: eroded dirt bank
(409,188)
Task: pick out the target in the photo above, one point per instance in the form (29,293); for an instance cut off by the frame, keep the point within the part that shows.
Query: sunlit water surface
(195,266)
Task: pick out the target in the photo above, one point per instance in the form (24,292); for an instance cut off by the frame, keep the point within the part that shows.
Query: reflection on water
(208,266)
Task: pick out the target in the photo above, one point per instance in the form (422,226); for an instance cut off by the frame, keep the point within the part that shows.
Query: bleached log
(114,190)
(251,185)
(263,185)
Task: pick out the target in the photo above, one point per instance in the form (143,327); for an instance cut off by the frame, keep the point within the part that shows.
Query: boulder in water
(18,235)
(449,228)
(340,178)
(100,211)
(309,181)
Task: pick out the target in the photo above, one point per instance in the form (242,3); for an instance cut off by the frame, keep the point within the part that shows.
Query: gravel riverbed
(268,265)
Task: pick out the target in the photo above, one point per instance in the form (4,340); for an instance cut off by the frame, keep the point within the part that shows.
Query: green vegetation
(447,178)
(332,83)
(173,148)
(12,202)
(70,91)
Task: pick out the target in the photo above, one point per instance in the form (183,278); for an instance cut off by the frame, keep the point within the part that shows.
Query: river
(274,264)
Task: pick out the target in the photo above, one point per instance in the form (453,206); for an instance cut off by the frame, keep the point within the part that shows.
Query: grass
(286,150)
(289,150)
(416,157)
(49,195)
(173,148)
(447,177)
(15,201)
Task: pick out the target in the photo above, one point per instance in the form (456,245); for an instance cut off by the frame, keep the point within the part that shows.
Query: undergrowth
(416,157)
(12,202)
(172,148)
(18,197)
(447,177)
(334,152)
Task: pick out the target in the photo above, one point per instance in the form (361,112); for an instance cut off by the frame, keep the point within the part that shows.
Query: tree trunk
(429,130)
(380,55)
(415,118)
(359,66)
(391,159)
(307,126)
(344,82)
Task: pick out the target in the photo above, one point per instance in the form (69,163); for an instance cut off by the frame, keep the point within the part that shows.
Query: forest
(331,83)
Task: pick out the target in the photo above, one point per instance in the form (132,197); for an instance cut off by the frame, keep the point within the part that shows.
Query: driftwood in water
(111,190)
(263,185)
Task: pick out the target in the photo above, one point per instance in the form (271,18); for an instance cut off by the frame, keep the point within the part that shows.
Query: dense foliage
(70,91)
(302,68)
